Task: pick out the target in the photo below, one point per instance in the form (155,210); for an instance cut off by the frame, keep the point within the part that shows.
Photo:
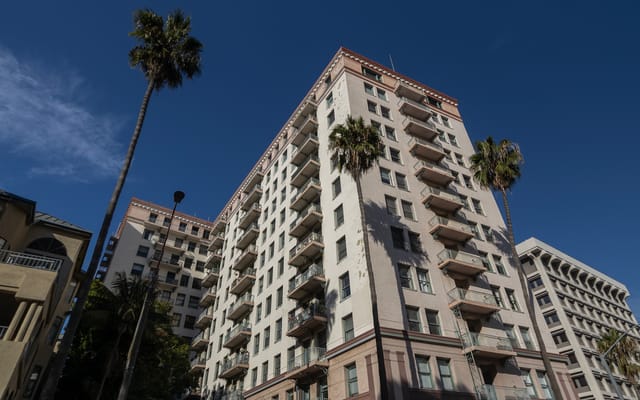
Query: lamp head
(178,196)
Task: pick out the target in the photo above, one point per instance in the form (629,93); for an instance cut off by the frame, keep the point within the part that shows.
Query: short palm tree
(621,354)
(355,148)
(496,166)
(165,53)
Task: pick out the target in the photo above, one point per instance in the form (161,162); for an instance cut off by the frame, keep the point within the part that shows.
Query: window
(513,301)
(424,372)
(407,209)
(180,298)
(281,241)
(528,383)
(278,330)
(397,237)
(488,234)
(385,112)
(267,306)
(413,319)
(434,102)
(206,234)
(433,322)
(256,344)
(508,329)
(280,267)
(153,217)
(338,216)
(385,176)
(182,227)
(445,122)
(178,242)
(543,300)
(395,155)
(404,271)
(341,248)
(184,280)
(279,297)
(267,338)
(544,384)
(276,365)
(189,321)
(497,296)
(424,282)
(258,313)
(336,187)
(351,375)
(390,202)
(193,301)
(191,246)
(331,117)
(414,242)
(196,283)
(347,327)
(329,99)
(368,88)
(175,319)
(536,282)
(345,286)
(497,260)
(136,269)
(372,107)
(143,251)
(382,94)
(401,180)
(390,133)
(526,338)
(551,318)
(254,376)
(477,207)
(444,367)
(199,266)
(369,73)
(147,234)
(202,250)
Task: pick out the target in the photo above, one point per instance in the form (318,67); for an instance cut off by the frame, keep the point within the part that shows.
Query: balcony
(309,364)
(198,364)
(306,194)
(232,395)
(461,263)
(253,196)
(304,126)
(163,281)
(249,216)
(169,245)
(307,219)
(234,366)
(216,256)
(307,283)
(217,240)
(205,318)
(423,129)
(414,108)
(244,281)
(487,346)
(307,320)
(427,150)
(441,200)
(306,148)
(249,236)
(219,225)
(254,180)
(448,230)
(432,174)
(490,392)
(171,263)
(472,302)
(29,261)
(306,250)
(241,307)
(246,258)
(238,335)
(208,297)
(200,342)
(211,276)
(307,169)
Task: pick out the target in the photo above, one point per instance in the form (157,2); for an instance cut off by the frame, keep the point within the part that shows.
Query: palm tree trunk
(524,285)
(58,360)
(109,365)
(384,389)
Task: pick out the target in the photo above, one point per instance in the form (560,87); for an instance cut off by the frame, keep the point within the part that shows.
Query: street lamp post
(603,360)
(149,298)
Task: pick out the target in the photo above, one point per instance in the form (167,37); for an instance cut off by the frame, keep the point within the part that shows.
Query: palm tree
(496,166)
(356,148)
(621,354)
(165,53)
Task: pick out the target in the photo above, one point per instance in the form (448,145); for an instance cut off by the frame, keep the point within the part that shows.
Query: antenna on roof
(392,66)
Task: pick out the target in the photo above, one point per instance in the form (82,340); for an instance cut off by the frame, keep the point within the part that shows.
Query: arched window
(49,245)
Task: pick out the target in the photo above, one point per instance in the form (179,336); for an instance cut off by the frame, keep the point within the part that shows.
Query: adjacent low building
(579,304)
(41,258)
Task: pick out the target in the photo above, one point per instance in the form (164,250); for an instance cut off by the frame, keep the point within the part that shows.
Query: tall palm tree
(621,354)
(165,53)
(496,166)
(356,148)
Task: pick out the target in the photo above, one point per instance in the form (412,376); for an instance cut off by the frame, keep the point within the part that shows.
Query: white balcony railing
(29,260)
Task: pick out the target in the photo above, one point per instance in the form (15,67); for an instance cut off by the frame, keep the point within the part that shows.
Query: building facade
(136,247)
(41,258)
(291,298)
(578,305)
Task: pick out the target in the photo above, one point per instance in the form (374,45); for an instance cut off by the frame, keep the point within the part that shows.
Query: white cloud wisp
(43,125)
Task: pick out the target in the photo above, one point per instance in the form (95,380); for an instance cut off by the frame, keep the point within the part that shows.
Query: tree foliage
(622,354)
(355,146)
(107,326)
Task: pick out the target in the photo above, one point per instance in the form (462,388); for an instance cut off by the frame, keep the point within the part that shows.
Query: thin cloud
(43,124)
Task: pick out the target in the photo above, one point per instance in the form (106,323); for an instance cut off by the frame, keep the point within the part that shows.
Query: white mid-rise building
(579,304)
(292,305)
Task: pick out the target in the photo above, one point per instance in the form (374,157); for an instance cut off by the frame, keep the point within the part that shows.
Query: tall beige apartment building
(41,258)
(292,309)
(579,304)
(136,247)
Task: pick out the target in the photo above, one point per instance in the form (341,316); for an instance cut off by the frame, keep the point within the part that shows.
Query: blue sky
(559,79)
